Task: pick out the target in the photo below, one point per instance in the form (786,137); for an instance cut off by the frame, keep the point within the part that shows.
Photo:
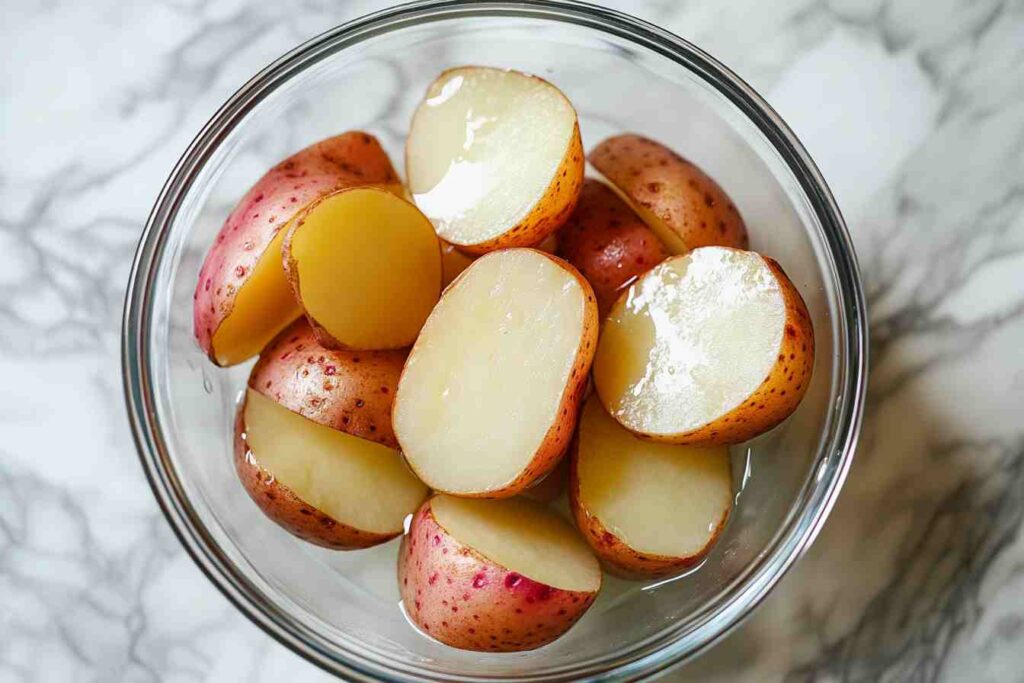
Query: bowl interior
(350,600)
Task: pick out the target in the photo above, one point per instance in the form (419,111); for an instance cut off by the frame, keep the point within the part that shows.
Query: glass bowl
(340,610)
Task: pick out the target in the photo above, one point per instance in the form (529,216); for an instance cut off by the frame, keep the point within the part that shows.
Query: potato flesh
(369,268)
(523,537)
(690,340)
(485,380)
(659,499)
(483,148)
(356,482)
(263,307)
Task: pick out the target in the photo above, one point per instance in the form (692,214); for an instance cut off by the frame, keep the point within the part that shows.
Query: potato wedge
(714,347)
(494,158)
(366,267)
(684,206)
(488,398)
(242,298)
(494,575)
(351,391)
(608,243)
(647,509)
(322,485)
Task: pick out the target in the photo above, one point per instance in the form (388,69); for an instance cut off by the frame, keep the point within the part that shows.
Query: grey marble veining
(913,110)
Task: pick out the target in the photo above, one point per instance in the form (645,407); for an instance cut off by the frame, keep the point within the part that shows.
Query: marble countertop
(914,111)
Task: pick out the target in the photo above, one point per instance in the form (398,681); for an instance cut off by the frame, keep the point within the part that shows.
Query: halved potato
(325,486)
(242,298)
(494,575)
(366,267)
(494,158)
(488,399)
(682,204)
(714,347)
(608,243)
(647,509)
(351,391)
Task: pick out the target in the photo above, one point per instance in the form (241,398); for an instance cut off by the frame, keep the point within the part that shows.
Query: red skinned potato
(242,299)
(608,243)
(726,335)
(321,484)
(647,509)
(494,575)
(351,391)
(494,158)
(488,398)
(684,206)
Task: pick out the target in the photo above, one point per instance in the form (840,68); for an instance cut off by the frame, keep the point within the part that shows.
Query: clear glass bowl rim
(738,599)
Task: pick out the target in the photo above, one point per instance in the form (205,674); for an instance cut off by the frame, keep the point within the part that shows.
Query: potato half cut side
(608,243)
(242,298)
(366,267)
(325,486)
(682,204)
(647,509)
(488,398)
(494,575)
(494,158)
(714,347)
(351,391)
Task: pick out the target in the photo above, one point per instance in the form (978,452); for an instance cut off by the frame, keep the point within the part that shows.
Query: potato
(714,347)
(351,391)
(323,485)
(488,398)
(366,267)
(494,575)
(242,298)
(494,158)
(647,509)
(608,243)
(682,204)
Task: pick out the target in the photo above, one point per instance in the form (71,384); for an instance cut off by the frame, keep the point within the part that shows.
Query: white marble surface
(914,110)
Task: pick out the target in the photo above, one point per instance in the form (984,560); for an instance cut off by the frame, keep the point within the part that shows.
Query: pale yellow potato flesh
(356,482)
(689,341)
(483,148)
(659,499)
(366,266)
(486,378)
(522,536)
(264,307)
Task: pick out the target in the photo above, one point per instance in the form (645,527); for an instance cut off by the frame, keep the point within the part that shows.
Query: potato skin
(280,504)
(351,391)
(352,158)
(551,211)
(557,438)
(608,243)
(689,202)
(781,390)
(464,600)
(616,556)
